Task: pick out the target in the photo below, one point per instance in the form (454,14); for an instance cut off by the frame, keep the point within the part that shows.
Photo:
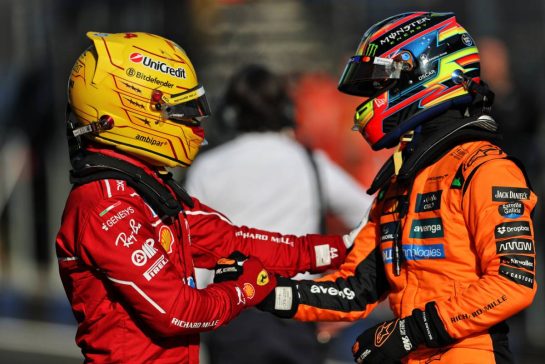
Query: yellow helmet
(139,93)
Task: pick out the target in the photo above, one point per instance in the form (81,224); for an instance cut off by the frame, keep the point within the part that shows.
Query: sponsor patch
(345,293)
(518,276)
(151,141)
(507,194)
(132,237)
(517,245)
(140,257)
(428,201)
(249,291)
(388,231)
(155,268)
(262,278)
(510,229)
(157,65)
(166,238)
(518,261)
(427,228)
(114,219)
(417,252)
(511,210)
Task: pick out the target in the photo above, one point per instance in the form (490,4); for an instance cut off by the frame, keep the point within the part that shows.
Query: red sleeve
(350,293)
(214,236)
(138,270)
(497,209)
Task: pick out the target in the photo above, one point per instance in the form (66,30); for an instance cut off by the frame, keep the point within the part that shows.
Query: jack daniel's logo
(505,194)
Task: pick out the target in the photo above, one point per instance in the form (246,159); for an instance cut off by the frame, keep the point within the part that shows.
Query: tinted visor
(365,76)
(195,108)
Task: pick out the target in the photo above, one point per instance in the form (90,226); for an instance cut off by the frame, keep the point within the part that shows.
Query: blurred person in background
(130,236)
(265,178)
(449,239)
(515,109)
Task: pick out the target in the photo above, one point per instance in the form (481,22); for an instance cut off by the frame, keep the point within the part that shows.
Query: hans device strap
(89,167)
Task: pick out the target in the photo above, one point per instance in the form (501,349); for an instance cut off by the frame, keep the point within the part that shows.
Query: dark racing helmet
(410,67)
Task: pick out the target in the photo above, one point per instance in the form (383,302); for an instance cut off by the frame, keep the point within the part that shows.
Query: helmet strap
(398,154)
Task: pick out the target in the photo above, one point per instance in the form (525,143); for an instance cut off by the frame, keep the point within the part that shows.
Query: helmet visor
(188,105)
(366,76)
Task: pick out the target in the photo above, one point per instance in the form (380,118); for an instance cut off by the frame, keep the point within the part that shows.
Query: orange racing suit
(466,243)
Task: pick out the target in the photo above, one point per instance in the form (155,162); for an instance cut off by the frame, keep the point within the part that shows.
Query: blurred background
(309,40)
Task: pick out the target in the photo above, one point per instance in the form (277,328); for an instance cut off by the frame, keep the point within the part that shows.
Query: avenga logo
(332,291)
(157,65)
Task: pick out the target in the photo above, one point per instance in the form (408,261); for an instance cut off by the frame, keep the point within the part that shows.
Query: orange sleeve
(497,207)
(351,292)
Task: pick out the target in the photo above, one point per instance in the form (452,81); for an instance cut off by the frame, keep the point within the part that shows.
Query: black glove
(230,268)
(283,300)
(392,340)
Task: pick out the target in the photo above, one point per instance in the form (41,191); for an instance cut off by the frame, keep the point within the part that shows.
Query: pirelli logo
(506,194)
(518,276)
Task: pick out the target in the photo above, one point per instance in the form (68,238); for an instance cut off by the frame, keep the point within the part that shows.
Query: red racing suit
(129,275)
(467,244)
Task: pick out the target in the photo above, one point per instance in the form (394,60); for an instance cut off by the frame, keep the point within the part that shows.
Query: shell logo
(249,291)
(166,238)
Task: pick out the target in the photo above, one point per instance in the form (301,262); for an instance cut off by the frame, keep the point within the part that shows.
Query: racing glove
(230,268)
(251,281)
(283,300)
(349,238)
(392,340)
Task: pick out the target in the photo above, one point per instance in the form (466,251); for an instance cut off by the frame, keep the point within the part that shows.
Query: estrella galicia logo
(510,229)
(427,228)
(510,194)
(516,245)
(388,231)
(416,252)
(511,210)
(428,201)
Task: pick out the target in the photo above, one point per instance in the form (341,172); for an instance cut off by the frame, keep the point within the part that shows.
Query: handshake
(252,282)
(255,286)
